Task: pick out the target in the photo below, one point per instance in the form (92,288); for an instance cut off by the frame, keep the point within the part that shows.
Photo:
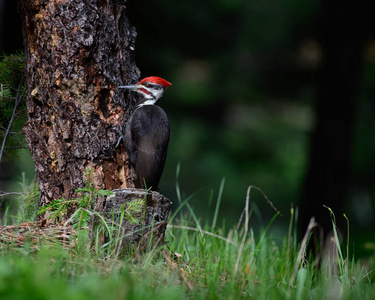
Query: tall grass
(199,261)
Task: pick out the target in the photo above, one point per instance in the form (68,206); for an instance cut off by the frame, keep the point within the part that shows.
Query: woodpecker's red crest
(156,80)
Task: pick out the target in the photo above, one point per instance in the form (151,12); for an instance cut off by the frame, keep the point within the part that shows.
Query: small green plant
(58,209)
(29,200)
(22,205)
(131,210)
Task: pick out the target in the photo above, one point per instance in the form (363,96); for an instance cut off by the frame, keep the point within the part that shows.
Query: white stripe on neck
(147,102)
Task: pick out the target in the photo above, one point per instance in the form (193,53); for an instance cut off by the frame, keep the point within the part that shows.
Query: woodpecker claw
(121,136)
(119,140)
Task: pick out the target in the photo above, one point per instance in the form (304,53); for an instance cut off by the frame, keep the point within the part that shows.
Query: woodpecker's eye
(146,84)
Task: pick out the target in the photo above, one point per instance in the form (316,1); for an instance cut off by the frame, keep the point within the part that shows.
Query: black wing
(149,128)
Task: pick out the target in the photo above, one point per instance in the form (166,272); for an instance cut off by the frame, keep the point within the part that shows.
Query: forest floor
(198,261)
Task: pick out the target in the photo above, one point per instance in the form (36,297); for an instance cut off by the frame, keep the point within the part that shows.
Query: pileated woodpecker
(147,132)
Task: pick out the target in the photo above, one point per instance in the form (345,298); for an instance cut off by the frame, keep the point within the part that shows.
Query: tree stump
(151,218)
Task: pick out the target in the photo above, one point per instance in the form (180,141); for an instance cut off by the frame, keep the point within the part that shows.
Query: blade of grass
(289,236)
(203,232)
(181,206)
(340,257)
(194,217)
(218,203)
(262,237)
(302,250)
(245,232)
(347,245)
(177,184)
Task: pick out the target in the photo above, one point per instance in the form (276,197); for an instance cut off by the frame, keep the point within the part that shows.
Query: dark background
(276,94)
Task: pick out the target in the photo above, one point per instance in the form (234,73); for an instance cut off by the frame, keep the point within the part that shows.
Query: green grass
(199,261)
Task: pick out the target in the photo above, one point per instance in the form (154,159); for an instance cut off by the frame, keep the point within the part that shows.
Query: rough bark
(77,52)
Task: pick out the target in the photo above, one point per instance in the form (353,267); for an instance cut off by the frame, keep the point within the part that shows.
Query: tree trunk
(77,52)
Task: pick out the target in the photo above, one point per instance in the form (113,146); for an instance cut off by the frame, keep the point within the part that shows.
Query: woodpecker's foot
(120,134)
(119,140)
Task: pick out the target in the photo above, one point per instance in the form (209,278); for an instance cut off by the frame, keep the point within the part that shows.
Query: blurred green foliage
(241,103)
(12,103)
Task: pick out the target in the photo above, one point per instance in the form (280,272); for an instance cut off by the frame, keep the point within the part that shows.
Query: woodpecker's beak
(132,87)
